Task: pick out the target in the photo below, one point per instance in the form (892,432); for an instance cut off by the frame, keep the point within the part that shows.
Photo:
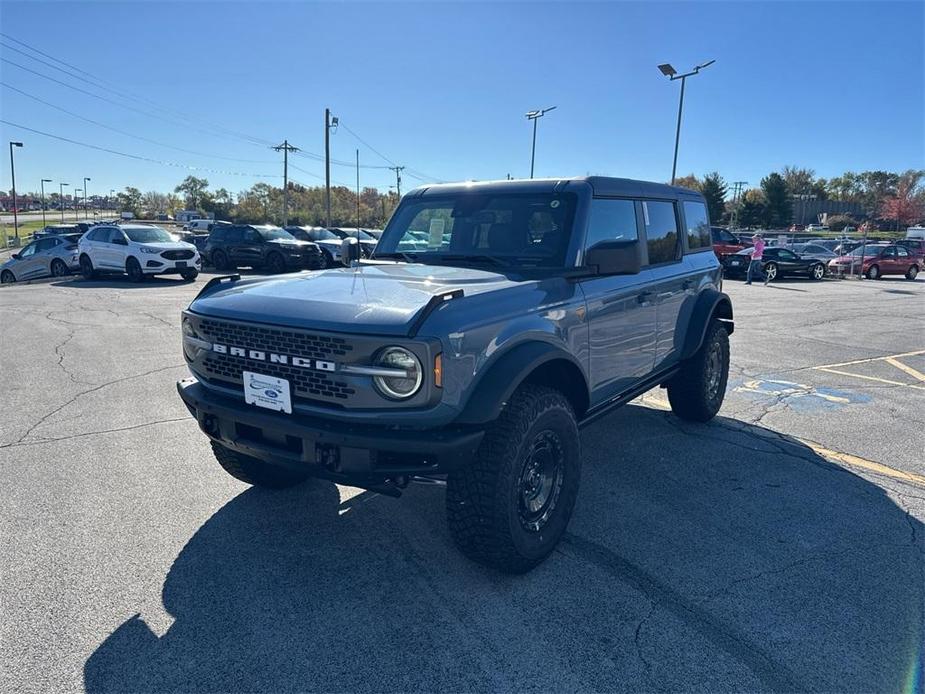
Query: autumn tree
(906,206)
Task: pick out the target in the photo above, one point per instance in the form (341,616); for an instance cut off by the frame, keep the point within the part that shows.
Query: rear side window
(219,233)
(661,231)
(698,225)
(612,220)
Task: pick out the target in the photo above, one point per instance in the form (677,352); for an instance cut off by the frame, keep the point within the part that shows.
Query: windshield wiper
(463,258)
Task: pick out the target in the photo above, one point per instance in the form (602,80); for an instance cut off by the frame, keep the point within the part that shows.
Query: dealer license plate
(267,391)
(181,263)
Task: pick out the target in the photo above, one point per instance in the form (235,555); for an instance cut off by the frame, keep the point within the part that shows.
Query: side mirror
(614,257)
(349,250)
(15,256)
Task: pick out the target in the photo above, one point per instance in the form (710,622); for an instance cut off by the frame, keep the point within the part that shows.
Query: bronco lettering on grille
(273,358)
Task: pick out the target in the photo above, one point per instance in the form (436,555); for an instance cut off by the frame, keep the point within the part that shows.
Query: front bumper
(164,266)
(359,455)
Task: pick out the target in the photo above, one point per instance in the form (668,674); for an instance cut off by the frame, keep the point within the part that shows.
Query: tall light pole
(112,194)
(44,181)
(673,75)
(13,176)
(61,199)
(535,116)
(76,205)
(329,122)
(86,180)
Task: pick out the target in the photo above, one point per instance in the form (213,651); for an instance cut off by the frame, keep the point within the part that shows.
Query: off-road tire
(220,261)
(276,264)
(912,272)
(189,275)
(696,392)
(254,471)
(134,271)
(86,267)
(483,499)
(58,268)
(7,277)
(873,272)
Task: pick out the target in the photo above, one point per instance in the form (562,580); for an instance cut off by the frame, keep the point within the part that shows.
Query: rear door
(43,256)
(621,308)
(904,259)
(889,263)
(789,262)
(25,268)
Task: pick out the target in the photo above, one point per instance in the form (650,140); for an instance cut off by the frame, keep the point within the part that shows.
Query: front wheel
(509,508)
(912,272)
(58,268)
(220,260)
(86,268)
(7,277)
(189,275)
(133,270)
(254,471)
(276,264)
(817,272)
(696,392)
(873,272)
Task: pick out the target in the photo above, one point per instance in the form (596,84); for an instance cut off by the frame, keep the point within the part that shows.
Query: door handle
(687,284)
(643,298)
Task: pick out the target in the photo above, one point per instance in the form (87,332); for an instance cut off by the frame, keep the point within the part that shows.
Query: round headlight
(399,387)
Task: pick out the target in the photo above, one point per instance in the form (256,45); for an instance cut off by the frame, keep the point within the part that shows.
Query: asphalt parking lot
(778,548)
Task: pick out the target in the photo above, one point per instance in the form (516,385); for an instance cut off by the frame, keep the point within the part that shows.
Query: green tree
(779,209)
(799,181)
(194,193)
(130,200)
(714,189)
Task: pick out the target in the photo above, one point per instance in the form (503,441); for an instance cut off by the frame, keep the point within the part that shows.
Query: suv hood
(290,243)
(168,245)
(371,299)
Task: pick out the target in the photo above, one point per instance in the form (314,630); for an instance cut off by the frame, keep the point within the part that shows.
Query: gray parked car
(813,250)
(531,309)
(51,256)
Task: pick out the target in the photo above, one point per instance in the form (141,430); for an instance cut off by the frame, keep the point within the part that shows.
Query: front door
(621,308)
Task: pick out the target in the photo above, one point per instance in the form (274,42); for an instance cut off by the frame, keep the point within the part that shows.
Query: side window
(902,252)
(219,233)
(661,231)
(611,220)
(889,252)
(27,251)
(234,235)
(786,255)
(45,245)
(698,225)
(250,236)
(114,235)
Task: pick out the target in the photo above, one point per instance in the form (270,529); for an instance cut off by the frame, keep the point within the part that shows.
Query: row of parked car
(142,250)
(816,258)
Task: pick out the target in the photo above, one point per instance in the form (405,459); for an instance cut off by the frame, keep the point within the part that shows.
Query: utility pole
(286,148)
(398,170)
(86,213)
(358,195)
(737,188)
(329,122)
(13,176)
(44,181)
(61,199)
(77,204)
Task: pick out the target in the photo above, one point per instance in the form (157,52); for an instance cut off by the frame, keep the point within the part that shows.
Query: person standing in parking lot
(755,265)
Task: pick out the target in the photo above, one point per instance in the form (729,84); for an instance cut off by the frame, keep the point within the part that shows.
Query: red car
(878,260)
(725,243)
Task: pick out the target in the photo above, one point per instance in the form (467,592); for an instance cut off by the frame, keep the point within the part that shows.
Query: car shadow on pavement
(121,282)
(700,557)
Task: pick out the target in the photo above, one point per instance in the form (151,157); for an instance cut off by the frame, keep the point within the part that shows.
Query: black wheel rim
(277,264)
(7,277)
(85,266)
(57,268)
(540,481)
(134,272)
(714,370)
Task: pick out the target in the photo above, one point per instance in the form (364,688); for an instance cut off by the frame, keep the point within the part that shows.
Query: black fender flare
(498,381)
(710,304)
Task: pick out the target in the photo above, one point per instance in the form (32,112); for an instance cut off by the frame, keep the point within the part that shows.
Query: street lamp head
(46,180)
(87,178)
(16,144)
(533,115)
(667,70)
(703,65)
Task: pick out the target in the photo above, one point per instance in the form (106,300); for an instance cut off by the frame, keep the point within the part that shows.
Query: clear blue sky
(443,88)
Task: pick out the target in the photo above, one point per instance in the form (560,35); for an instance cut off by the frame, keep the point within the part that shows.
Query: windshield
(868,250)
(274,233)
(482,228)
(147,234)
(322,235)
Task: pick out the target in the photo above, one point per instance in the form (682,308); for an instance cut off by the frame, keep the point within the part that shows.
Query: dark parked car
(327,241)
(260,246)
(915,246)
(367,241)
(776,262)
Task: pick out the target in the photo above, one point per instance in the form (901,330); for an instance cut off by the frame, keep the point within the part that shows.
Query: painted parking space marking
(892,360)
(799,396)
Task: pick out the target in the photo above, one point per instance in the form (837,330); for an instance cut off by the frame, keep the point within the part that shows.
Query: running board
(606,408)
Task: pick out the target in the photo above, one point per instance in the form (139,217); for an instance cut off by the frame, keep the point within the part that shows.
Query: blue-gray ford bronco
(492,321)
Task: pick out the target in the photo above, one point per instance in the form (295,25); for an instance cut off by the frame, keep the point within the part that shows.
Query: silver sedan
(52,256)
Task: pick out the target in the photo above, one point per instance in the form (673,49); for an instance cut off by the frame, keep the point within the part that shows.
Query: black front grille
(306,384)
(178,255)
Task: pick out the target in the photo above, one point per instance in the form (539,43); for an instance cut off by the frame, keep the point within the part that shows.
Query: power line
(136,156)
(128,134)
(392,164)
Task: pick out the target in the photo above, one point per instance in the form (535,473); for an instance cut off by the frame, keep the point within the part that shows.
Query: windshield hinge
(435,302)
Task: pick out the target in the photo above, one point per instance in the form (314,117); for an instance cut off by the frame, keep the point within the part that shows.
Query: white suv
(139,250)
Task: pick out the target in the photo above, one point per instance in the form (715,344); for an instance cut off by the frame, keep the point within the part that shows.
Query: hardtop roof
(600,185)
